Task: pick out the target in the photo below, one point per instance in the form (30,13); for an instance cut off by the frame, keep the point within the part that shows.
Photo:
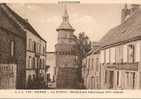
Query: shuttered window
(137,52)
(112,55)
(107,55)
(12,48)
(102,56)
(125,53)
(131,54)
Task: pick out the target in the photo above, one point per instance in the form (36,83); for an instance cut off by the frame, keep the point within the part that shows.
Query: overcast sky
(94,19)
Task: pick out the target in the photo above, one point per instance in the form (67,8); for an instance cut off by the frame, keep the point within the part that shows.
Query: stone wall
(67,78)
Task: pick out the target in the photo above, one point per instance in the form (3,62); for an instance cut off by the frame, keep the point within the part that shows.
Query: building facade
(26,46)
(91,69)
(35,54)
(120,56)
(12,51)
(66,56)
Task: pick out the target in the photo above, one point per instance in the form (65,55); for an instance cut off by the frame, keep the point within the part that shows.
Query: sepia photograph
(70,46)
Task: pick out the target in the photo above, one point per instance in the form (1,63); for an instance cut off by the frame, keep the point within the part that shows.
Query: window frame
(12,48)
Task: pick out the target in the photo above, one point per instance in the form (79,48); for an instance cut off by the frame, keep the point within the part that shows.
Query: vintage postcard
(70,49)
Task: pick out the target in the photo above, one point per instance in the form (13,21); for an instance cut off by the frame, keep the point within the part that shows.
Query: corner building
(66,56)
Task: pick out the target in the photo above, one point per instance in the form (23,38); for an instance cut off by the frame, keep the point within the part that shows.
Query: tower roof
(65,25)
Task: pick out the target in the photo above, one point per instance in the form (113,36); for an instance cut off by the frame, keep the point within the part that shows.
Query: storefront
(7,76)
(121,76)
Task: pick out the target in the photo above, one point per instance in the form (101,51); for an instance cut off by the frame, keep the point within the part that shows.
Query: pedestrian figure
(81,84)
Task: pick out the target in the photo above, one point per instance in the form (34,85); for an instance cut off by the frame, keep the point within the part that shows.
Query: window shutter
(125,53)
(107,55)
(102,56)
(12,48)
(137,52)
(112,55)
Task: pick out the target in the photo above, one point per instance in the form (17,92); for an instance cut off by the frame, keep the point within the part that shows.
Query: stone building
(35,53)
(12,51)
(91,68)
(66,56)
(29,47)
(120,55)
(35,48)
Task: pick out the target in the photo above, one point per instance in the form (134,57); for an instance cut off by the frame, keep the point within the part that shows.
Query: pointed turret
(65,16)
(65,25)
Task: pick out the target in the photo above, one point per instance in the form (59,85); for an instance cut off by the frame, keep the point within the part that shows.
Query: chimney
(124,13)
(26,19)
(134,8)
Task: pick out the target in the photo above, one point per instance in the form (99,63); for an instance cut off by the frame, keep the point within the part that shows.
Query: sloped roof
(129,29)
(25,24)
(65,25)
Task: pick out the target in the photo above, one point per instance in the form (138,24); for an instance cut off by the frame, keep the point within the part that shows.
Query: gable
(7,23)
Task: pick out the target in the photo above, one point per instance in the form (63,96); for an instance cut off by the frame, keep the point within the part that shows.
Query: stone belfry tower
(66,55)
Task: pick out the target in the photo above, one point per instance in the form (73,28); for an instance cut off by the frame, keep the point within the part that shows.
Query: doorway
(111,79)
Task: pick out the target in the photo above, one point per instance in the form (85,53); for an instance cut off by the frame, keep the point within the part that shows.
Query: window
(30,45)
(40,63)
(131,53)
(133,80)
(34,46)
(29,61)
(36,62)
(12,48)
(111,78)
(125,53)
(43,63)
(102,56)
(33,63)
(107,55)
(88,61)
(137,52)
(96,67)
(105,76)
(117,78)
(119,54)
(127,80)
(113,54)
(44,50)
(92,63)
(40,48)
